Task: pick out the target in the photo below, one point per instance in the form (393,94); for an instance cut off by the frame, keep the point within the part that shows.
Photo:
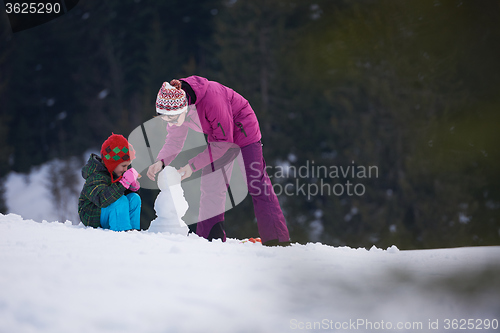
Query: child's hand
(130,176)
(154,169)
(135,186)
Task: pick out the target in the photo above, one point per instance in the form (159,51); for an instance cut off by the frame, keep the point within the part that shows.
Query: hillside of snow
(58,277)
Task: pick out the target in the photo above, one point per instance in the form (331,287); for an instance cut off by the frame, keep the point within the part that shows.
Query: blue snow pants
(123,214)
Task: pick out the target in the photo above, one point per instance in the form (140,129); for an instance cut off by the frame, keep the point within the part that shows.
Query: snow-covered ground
(57,277)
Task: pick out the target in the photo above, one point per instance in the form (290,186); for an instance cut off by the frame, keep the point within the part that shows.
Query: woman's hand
(154,169)
(185,172)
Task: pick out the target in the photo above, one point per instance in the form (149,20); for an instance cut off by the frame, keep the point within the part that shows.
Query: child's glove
(129,177)
(135,186)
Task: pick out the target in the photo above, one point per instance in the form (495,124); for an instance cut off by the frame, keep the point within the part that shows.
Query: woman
(228,120)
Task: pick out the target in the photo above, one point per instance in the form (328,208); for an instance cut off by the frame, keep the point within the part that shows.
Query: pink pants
(270,220)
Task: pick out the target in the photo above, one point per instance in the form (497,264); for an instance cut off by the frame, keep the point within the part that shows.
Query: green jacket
(98,192)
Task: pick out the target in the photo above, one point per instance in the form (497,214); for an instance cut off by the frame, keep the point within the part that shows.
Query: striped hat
(114,151)
(170,100)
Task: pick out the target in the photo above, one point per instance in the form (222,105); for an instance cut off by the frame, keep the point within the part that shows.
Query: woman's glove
(129,177)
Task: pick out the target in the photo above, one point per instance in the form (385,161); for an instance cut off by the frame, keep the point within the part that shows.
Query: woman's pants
(123,214)
(270,220)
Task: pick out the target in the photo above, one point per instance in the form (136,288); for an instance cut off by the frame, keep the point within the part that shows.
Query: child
(108,199)
(228,120)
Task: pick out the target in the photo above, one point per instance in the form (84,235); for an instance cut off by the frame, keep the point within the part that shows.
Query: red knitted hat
(170,100)
(115,150)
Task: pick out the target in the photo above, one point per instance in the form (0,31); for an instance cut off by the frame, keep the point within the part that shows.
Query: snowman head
(168,177)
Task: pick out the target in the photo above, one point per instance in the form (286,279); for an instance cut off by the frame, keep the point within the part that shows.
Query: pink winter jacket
(222,114)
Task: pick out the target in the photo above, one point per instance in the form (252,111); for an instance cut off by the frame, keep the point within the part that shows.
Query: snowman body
(170,204)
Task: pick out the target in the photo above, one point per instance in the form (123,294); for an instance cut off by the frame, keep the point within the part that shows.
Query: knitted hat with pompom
(115,150)
(170,101)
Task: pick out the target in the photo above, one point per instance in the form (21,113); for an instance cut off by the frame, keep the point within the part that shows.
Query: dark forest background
(412,87)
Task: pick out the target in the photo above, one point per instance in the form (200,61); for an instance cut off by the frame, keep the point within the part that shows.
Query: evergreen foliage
(408,87)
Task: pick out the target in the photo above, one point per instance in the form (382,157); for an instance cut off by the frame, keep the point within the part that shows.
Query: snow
(64,277)
(170,204)
(60,277)
(32,195)
(31,188)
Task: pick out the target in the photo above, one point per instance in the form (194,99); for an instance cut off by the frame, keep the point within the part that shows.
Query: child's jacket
(222,114)
(98,192)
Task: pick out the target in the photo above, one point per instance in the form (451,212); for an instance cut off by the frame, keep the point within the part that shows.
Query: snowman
(170,204)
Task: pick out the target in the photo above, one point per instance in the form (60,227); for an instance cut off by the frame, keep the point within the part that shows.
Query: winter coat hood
(199,85)
(94,165)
